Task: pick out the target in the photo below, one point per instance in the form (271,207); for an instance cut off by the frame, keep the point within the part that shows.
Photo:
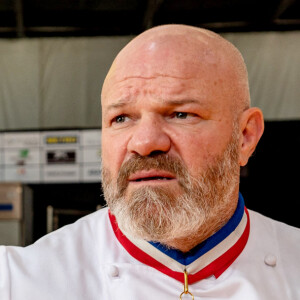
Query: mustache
(163,162)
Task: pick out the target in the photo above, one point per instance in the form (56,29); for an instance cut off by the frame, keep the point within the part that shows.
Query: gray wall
(56,82)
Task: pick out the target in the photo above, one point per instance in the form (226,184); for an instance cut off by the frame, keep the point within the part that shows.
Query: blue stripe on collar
(208,244)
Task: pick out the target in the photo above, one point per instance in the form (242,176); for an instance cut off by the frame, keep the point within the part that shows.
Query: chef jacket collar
(211,257)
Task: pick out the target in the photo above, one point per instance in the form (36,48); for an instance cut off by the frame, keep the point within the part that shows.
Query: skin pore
(176,127)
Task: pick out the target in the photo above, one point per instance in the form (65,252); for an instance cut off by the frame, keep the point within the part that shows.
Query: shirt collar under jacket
(211,257)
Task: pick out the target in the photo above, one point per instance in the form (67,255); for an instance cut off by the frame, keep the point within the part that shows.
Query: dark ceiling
(33,18)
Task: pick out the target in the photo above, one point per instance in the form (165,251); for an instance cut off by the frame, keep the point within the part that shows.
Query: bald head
(184,52)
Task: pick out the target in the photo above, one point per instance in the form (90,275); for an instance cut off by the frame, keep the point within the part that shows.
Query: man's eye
(181,115)
(120,119)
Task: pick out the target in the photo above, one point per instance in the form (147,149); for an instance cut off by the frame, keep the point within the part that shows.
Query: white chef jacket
(85,261)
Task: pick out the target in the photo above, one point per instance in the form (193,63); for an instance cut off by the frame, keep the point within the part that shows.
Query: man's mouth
(151,175)
(152,178)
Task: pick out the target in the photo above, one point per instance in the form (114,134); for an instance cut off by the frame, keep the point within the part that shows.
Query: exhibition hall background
(53,84)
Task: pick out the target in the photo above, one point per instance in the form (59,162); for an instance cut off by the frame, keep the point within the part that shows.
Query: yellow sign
(61,140)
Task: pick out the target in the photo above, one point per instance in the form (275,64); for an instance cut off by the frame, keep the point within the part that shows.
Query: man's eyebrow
(120,103)
(173,102)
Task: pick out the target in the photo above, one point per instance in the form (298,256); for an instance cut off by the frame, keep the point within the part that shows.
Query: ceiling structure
(39,18)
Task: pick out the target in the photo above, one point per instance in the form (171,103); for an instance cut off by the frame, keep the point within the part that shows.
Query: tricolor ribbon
(211,257)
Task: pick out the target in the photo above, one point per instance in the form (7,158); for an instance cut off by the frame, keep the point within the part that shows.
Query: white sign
(91,137)
(91,155)
(51,156)
(21,139)
(61,173)
(91,173)
(22,156)
(29,174)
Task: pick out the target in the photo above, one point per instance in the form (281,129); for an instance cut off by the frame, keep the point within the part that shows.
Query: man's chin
(150,204)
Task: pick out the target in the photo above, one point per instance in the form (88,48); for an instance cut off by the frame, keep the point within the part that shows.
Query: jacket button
(113,271)
(270,260)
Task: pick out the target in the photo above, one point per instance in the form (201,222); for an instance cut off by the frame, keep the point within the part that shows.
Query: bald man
(177,126)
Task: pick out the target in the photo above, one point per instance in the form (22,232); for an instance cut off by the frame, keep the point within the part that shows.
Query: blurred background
(54,55)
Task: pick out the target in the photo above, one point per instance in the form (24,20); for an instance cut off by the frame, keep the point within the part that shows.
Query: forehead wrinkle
(156,76)
(171,102)
(130,87)
(176,102)
(121,103)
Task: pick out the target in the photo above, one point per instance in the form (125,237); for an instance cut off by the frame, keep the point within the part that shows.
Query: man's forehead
(171,56)
(182,52)
(177,55)
(161,89)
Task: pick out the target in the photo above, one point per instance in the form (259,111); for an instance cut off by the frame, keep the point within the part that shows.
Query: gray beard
(158,214)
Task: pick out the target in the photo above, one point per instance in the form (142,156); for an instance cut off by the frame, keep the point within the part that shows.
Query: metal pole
(19,18)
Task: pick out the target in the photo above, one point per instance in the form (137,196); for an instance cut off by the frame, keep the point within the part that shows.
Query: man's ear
(252,127)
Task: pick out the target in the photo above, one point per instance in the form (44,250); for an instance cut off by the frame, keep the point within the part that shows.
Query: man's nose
(149,137)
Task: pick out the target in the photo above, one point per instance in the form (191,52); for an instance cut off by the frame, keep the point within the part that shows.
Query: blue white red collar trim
(211,257)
